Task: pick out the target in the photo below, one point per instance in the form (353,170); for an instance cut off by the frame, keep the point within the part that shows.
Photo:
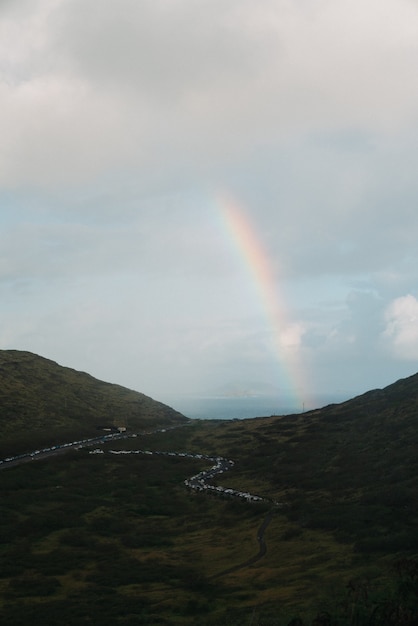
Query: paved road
(198,482)
(63,448)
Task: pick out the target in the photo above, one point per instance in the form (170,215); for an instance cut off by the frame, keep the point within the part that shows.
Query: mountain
(46,400)
(120,539)
(350,469)
(399,396)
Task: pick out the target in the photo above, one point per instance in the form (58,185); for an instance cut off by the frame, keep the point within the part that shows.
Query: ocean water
(241,407)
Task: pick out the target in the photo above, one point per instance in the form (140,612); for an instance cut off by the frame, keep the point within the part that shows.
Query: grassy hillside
(40,400)
(118,539)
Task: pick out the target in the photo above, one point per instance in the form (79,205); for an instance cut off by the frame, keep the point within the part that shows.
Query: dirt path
(261,552)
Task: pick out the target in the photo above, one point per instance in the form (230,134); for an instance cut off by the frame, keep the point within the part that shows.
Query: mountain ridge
(45,398)
(125,531)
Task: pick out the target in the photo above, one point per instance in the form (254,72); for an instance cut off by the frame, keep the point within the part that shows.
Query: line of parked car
(199,482)
(74,444)
(80,444)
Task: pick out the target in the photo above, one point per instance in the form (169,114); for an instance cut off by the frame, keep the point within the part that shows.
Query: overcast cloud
(121,125)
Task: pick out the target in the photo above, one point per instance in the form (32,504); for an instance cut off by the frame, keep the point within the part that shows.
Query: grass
(119,539)
(185,539)
(42,403)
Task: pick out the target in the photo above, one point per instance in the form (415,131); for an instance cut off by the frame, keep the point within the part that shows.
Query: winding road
(261,552)
(199,482)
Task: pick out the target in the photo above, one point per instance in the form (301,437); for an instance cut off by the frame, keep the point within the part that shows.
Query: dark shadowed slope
(39,396)
(401,396)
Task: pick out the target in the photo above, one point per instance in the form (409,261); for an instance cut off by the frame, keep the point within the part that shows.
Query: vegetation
(43,403)
(118,539)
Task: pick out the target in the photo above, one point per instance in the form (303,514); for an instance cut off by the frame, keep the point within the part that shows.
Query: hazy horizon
(242,407)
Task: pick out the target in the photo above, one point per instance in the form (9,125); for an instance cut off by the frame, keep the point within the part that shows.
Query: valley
(181,521)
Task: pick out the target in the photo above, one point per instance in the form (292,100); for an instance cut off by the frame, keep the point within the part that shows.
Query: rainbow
(285,333)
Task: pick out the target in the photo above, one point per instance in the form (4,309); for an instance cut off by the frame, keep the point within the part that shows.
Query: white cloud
(401,332)
(291,337)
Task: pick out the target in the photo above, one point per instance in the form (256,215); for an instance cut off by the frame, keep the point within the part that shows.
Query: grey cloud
(142,246)
(121,123)
(149,85)
(159,47)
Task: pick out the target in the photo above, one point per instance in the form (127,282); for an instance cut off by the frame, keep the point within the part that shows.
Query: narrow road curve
(199,482)
(261,552)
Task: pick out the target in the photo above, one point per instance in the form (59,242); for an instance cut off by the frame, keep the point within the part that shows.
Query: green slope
(119,539)
(41,400)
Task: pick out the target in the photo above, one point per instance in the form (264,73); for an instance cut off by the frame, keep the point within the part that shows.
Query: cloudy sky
(130,128)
